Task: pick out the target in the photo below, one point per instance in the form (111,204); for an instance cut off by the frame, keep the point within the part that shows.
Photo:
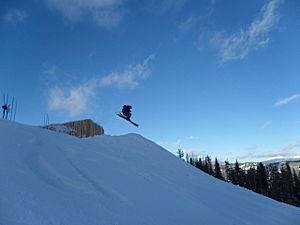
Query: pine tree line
(280,184)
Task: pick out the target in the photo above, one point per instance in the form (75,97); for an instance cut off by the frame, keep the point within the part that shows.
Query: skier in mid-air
(126,114)
(127,111)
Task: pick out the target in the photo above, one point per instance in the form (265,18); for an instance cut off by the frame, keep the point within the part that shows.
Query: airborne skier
(126,114)
(127,111)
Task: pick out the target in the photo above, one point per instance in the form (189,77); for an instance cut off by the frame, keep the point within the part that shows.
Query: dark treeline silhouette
(280,184)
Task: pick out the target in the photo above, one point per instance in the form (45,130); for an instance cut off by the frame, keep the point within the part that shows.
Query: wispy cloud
(164,6)
(287,100)
(177,144)
(267,124)
(74,100)
(191,137)
(106,13)
(14,16)
(50,70)
(49,74)
(188,24)
(211,7)
(172,4)
(286,151)
(238,45)
(129,78)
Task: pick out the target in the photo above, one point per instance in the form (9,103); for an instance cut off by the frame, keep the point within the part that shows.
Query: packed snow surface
(52,178)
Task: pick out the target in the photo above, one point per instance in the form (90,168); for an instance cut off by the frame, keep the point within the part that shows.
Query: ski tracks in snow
(101,189)
(48,171)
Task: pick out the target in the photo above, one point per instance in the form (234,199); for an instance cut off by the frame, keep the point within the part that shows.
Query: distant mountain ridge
(279,163)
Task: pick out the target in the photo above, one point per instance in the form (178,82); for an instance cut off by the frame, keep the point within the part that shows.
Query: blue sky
(211,77)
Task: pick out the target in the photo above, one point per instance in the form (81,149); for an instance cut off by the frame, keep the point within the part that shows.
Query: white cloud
(75,100)
(287,100)
(50,70)
(72,103)
(106,13)
(130,77)
(188,24)
(238,45)
(14,16)
(287,151)
(267,124)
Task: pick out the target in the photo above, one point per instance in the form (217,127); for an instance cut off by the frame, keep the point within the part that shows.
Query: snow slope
(53,178)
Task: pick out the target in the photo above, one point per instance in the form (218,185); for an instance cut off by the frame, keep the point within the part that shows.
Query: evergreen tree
(205,167)
(296,185)
(199,164)
(236,173)
(192,159)
(287,183)
(275,184)
(218,173)
(208,165)
(192,162)
(180,153)
(229,173)
(242,179)
(251,179)
(261,180)
(239,175)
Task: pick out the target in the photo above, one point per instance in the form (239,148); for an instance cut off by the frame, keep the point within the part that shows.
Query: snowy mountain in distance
(296,158)
(279,164)
(53,178)
(294,163)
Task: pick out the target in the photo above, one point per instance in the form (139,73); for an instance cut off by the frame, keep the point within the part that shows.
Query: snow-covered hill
(52,178)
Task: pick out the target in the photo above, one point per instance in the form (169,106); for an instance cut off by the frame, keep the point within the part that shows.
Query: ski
(124,117)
